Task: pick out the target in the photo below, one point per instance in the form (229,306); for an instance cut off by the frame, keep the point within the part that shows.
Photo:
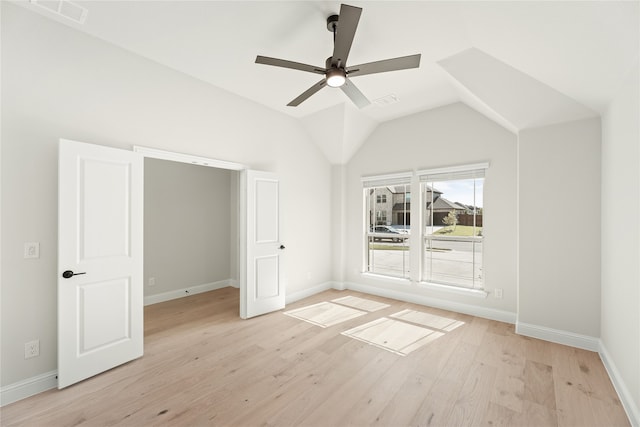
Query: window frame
(416,241)
(427,178)
(377,181)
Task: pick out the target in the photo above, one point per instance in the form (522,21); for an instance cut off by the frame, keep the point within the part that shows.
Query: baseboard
(473,310)
(295,296)
(557,336)
(234,283)
(179,293)
(628,402)
(29,387)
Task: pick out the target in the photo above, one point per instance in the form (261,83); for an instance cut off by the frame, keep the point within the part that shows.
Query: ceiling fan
(336,72)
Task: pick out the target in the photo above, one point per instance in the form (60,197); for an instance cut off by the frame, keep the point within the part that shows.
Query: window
(452,210)
(387,224)
(448,232)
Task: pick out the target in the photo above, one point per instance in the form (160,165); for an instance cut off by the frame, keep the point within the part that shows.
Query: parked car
(392,232)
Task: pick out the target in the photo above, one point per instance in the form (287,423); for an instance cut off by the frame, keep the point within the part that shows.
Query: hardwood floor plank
(205,366)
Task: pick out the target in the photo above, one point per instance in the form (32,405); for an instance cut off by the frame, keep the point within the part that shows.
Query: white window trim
(385,180)
(453,169)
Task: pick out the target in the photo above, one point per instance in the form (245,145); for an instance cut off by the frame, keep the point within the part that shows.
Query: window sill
(393,279)
(477,293)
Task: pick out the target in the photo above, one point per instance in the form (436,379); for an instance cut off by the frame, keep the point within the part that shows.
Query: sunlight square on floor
(361,303)
(394,336)
(325,314)
(429,320)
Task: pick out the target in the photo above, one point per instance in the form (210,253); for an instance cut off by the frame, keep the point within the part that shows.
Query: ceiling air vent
(386,100)
(63,8)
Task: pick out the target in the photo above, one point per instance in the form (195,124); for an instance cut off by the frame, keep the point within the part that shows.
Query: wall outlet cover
(32,250)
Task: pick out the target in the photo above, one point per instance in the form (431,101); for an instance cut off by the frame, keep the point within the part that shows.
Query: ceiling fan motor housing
(332,23)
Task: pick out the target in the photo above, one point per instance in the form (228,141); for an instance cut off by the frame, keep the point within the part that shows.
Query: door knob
(69,274)
(281,247)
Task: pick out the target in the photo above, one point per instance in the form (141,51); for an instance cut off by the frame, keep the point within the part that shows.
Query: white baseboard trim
(473,310)
(29,387)
(557,336)
(179,293)
(295,296)
(234,283)
(628,402)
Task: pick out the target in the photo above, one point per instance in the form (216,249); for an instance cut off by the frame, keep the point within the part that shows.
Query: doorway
(190,229)
(101,257)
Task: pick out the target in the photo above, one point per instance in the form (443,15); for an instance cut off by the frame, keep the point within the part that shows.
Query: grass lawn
(383,247)
(459,230)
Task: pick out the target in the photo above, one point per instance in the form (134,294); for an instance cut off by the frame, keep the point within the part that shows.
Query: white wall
(620,317)
(559,227)
(57,83)
(446,136)
(187,233)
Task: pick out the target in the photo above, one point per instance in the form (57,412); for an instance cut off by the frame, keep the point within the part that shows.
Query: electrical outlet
(497,293)
(152,281)
(32,250)
(31,349)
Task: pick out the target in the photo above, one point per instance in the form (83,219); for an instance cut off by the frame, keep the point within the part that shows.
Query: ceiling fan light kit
(336,77)
(336,72)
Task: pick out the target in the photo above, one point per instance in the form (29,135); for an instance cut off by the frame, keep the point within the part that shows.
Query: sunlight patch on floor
(361,303)
(392,335)
(325,314)
(429,320)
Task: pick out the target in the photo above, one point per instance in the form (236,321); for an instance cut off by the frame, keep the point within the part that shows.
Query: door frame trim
(241,249)
(188,158)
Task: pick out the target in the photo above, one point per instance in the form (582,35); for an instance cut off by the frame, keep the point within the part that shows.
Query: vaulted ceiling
(522,64)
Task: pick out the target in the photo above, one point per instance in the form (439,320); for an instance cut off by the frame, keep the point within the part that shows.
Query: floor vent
(63,8)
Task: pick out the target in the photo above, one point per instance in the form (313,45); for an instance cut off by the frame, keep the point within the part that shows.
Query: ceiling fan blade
(289,64)
(307,93)
(347,24)
(354,94)
(402,63)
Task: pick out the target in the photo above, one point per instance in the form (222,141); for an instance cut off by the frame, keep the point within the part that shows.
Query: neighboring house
(393,207)
(442,207)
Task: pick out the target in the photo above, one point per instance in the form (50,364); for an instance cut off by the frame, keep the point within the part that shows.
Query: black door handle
(69,274)
(281,247)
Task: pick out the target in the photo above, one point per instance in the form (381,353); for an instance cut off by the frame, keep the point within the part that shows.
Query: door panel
(267,275)
(100,310)
(105,194)
(261,286)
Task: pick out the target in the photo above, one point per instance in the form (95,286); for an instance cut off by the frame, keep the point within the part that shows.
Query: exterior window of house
(452,209)
(387,222)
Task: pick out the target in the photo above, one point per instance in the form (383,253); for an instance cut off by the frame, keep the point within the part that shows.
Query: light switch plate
(32,250)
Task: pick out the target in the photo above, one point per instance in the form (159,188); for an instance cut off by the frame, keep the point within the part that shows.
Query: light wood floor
(205,366)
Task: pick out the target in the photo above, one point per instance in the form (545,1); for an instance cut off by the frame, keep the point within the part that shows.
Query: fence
(463,219)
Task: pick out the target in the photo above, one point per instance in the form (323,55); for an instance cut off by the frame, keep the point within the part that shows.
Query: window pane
(452,214)
(456,262)
(388,230)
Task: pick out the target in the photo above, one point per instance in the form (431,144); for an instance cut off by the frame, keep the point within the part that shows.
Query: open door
(100,263)
(261,287)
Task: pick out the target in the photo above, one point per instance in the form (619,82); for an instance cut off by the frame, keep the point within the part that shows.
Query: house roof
(443,204)
(522,64)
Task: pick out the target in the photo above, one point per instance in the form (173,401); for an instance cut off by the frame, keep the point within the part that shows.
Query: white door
(261,287)
(100,238)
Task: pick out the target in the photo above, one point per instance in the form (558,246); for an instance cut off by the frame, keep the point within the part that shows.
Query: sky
(461,191)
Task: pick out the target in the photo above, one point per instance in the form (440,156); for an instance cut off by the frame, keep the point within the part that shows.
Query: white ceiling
(578,51)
